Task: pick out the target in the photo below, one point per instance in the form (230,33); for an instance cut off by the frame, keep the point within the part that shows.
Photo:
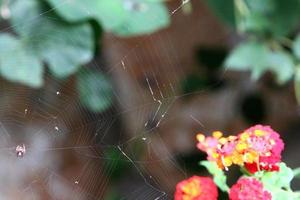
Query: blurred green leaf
(282,64)
(25,15)
(249,55)
(95,90)
(259,58)
(18,64)
(285,17)
(252,15)
(278,183)
(254,22)
(271,17)
(218,174)
(110,14)
(224,10)
(296,47)
(143,18)
(296,172)
(64,47)
(280,179)
(124,18)
(258,6)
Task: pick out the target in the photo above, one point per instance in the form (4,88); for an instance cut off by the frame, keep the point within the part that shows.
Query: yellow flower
(241,146)
(237,159)
(217,134)
(259,133)
(227,161)
(200,137)
(251,157)
(244,136)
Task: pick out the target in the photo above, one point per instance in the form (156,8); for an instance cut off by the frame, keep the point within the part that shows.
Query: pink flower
(266,144)
(257,148)
(196,188)
(249,189)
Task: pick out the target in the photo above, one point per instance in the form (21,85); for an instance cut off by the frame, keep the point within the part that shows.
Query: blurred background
(106,96)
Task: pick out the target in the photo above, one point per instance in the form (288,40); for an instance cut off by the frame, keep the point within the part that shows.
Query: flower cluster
(249,189)
(257,148)
(196,188)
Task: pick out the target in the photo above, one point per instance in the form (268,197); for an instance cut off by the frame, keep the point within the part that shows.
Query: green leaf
(297,172)
(257,6)
(218,174)
(282,64)
(224,10)
(285,17)
(143,18)
(25,15)
(64,47)
(280,179)
(278,183)
(246,55)
(249,55)
(270,17)
(95,91)
(258,58)
(252,15)
(254,23)
(108,13)
(19,65)
(123,17)
(296,46)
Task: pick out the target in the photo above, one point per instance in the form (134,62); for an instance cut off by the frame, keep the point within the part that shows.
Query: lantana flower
(257,148)
(263,148)
(249,189)
(220,149)
(196,188)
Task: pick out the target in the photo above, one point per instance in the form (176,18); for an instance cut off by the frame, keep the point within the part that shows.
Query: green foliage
(296,47)
(124,18)
(278,183)
(281,179)
(61,35)
(296,172)
(17,64)
(110,14)
(224,10)
(274,17)
(41,39)
(258,58)
(95,90)
(250,55)
(267,26)
(217,173)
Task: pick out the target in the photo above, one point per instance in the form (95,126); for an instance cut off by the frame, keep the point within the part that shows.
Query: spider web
(66,145)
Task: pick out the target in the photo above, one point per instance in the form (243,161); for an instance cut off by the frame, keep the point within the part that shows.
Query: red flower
(196,188)
(249,189)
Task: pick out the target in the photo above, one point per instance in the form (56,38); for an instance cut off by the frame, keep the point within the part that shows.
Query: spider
(20,150)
